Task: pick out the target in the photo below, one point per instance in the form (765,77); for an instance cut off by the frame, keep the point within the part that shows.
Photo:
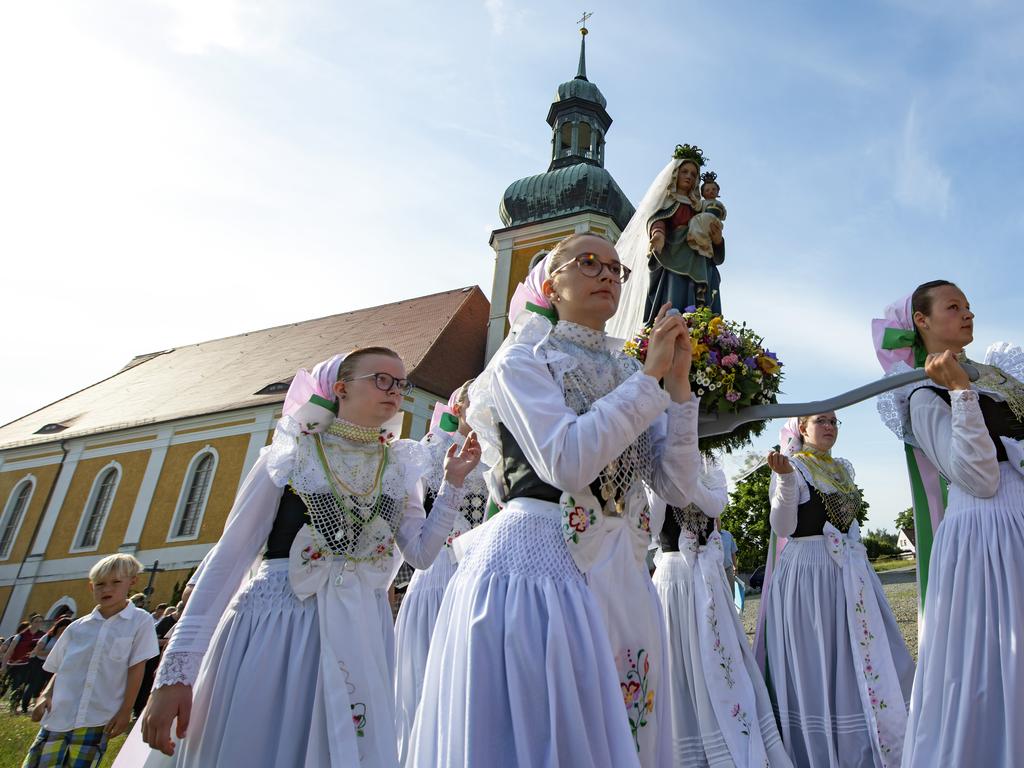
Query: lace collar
(357,433)
(580,335)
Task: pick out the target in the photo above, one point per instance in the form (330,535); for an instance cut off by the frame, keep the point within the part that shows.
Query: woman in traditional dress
(838,669)
(521,671)
(296,667)
(719,706)
(968,695)
(422,601)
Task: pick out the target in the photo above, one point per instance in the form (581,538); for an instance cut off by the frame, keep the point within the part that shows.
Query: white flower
(700,392)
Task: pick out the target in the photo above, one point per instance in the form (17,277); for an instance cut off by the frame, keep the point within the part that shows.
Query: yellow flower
(698,350)
(715,325)
(767,365)
(650,701)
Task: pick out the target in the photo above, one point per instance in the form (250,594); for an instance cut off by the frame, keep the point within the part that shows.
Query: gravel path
(901,589)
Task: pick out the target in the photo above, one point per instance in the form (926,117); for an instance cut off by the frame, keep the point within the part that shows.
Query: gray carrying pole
(724,423)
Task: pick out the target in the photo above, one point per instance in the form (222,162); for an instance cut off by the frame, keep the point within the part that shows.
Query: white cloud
(238,26)
(920,181)
(502,16)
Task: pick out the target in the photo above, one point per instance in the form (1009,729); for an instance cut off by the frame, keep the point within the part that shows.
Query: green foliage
(880,543)
(746,517)
(179,587)
(905,520)
(690,152)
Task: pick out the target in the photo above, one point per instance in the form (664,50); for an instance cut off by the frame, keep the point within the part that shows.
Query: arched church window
(14,513)
(566,139)
(195,492)
(585,140)
(100,500)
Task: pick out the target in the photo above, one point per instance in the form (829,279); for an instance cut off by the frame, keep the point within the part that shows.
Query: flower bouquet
(731,370)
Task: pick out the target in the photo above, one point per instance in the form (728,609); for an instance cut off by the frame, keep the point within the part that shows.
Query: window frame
(186,486)
(91,500)
(12,500)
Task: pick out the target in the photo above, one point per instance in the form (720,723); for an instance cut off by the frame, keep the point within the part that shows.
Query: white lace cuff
(682,421)
(961,396)
(181,667)
(450,494)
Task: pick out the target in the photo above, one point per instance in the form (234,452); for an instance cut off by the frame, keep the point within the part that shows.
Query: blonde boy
(98,664)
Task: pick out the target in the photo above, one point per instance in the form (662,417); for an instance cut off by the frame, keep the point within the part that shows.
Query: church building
(148,460)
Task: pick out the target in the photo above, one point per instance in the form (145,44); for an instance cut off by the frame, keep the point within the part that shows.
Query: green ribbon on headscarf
(901,338)
(448,422)
(323,402)
(550,314)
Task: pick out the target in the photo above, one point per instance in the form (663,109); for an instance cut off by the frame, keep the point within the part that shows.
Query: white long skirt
(697,738)
(253,702)
(968,701)
(811,667)
(413,630)
(636,629)
(520,672)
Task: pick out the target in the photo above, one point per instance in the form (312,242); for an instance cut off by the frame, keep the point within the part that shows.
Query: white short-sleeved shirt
(90,661)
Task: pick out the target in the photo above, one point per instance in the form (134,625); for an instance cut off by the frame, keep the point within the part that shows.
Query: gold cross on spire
(583,22)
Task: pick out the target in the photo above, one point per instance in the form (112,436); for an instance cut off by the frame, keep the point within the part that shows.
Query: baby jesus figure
(712,214)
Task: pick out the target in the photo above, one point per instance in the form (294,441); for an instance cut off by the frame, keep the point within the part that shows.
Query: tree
(179,587)
(747,514)
(880,543)
(746,518)
(905,520)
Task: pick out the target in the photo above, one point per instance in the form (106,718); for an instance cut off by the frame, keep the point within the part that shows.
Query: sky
(173,172)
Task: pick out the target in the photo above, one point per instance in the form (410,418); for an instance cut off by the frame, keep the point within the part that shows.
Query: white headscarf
(633,247)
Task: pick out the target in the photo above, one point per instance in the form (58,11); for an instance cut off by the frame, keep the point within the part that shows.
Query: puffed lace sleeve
(565,449)
(956,440)
(224,569)
(419,537)
(677,459)
(786,493)
(1009,358)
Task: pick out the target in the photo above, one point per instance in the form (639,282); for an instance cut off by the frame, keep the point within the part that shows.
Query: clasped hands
(670,353)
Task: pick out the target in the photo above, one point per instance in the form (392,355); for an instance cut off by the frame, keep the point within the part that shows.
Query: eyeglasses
(823,421)
(589,265)
(385,382)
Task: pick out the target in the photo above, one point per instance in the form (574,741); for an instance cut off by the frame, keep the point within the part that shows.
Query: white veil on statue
(633,246)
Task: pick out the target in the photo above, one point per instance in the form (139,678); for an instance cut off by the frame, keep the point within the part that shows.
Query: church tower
(575,194)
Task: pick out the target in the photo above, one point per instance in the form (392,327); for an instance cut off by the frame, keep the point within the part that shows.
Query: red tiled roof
(440,337)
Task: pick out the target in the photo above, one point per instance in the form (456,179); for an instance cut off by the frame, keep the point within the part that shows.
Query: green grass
(17,732)
(891,565)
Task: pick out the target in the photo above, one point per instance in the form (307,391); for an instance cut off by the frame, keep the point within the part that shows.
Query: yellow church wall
(133,466)
(45,477)
(44,595)
(163,585)
(230,458)
(524,250)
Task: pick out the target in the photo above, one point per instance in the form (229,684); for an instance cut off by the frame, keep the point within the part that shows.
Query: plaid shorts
(80,748)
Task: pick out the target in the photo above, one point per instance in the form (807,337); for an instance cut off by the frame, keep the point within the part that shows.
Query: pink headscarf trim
(790,439)
(898,315)
(440,409)
(319,382)
(530,290)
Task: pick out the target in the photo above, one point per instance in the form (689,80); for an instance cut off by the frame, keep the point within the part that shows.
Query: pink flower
(732,397)
(731,359)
